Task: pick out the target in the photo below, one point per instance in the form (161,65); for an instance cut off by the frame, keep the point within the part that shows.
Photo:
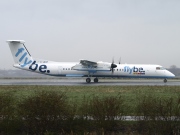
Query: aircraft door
(60,69)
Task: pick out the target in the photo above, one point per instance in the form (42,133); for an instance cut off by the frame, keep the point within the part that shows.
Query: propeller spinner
(113,66)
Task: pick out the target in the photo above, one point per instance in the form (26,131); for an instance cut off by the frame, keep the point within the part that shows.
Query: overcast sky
(138,31)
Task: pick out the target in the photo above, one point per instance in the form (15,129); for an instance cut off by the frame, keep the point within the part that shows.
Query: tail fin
(20,53)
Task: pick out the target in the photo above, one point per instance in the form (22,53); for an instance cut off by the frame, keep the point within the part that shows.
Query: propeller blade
(113,65)
(112,60)
(120,60)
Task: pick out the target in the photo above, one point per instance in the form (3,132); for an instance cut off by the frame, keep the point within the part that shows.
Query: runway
(81,82)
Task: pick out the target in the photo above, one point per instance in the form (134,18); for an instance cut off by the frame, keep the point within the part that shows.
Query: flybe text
(26,60)
(24,57)
(41,68)
(134,70)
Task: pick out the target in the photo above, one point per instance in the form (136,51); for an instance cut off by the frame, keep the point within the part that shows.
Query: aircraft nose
(171,75)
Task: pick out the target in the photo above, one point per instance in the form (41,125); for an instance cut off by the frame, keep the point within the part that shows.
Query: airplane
(84,68)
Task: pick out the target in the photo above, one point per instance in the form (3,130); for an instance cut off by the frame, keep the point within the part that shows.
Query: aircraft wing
(88,63)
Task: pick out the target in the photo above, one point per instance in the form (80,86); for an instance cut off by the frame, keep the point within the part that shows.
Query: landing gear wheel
(88,80)
(165,80)
(96,80)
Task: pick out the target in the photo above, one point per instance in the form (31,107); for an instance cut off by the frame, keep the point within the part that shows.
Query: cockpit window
(160,68)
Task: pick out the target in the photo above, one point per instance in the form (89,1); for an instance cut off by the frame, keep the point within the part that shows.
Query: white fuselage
(66,69)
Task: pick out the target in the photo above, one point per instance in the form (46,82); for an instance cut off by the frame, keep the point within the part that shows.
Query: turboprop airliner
(83,68)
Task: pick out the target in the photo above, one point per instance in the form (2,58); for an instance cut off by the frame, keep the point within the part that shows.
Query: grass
(77,93)
(138,100)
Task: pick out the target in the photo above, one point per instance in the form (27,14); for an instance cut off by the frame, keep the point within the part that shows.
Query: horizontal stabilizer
(16,41)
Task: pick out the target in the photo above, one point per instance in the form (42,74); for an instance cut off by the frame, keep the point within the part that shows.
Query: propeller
(113,66)
(120,60)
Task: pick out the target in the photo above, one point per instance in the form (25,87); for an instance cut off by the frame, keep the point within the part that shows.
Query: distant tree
(175,70)
(173,67)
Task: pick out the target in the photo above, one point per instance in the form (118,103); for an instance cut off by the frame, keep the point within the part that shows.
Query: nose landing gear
(165,80)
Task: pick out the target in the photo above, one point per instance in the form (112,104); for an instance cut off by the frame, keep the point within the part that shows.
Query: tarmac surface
(82,82)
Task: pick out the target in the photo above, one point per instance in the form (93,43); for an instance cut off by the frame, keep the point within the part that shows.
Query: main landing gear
(88,80)
(96,80)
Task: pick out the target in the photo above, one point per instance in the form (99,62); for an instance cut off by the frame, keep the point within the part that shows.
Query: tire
(88,80)
(165,80)
(96,80)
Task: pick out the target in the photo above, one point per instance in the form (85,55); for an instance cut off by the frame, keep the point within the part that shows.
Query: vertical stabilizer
(20,53)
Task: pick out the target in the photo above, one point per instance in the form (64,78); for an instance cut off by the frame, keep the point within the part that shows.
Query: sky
(138,31)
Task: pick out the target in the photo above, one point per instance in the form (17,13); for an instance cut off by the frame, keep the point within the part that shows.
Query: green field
(76,94)
(54,110)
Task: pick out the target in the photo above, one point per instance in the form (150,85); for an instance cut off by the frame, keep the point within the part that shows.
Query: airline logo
(134,70)
(23,56)
(41,68)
